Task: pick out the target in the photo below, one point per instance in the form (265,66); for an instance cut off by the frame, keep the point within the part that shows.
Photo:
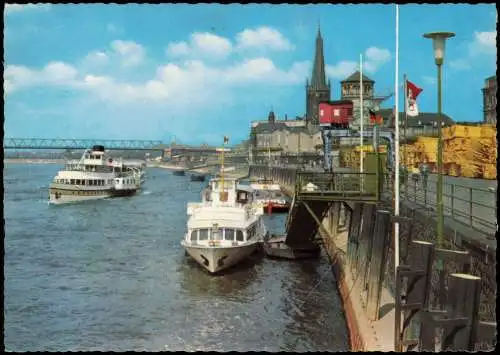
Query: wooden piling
(353,235)
(334,218)
(365,242)
(418,287)
(378,261)
(463,302)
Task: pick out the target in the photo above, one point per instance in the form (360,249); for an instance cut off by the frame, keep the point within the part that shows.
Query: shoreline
(32,161)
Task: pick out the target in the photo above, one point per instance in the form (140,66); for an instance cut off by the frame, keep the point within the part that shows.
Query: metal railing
(475,207)
(344,184)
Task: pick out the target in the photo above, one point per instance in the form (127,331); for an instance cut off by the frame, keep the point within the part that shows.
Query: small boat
(225,227)
(94,176)
(276,247)
(197,177)
(179,172)
(270,196)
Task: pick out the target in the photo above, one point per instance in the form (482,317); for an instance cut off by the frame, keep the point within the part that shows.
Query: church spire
(318,79)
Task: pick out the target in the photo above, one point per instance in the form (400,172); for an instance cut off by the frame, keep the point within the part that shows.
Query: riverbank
(33,161)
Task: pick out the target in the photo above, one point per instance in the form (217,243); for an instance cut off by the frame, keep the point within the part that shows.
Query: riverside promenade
(358,237)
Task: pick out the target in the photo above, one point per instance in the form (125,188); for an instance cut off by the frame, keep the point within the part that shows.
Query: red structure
(336,114)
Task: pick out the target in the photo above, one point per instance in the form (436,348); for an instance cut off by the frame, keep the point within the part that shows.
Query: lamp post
(438,42)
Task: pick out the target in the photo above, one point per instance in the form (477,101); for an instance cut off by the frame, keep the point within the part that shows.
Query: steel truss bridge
(110,144)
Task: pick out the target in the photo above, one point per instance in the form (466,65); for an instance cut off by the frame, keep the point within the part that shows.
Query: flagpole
(396,148)
(361,117)
(405,93)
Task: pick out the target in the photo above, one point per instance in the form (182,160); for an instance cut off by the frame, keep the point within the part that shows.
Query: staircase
(301,228)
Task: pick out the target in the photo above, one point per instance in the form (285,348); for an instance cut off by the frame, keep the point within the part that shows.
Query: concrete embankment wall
(335,246)
(369,334)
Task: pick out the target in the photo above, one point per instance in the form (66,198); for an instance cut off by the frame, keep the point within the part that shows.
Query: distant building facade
(490,100)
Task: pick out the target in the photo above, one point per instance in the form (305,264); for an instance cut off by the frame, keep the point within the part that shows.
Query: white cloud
(341,70)
(201,45)
(484,42)
(96,59)
(131,53)
(429,80)
(373,59)
(263,37)
(460,64)
(10,8)
(210,43)
(483,45)
(187,84)
(177,49)
(54,73)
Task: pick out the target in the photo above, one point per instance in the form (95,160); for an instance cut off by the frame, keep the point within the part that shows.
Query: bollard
(378,261)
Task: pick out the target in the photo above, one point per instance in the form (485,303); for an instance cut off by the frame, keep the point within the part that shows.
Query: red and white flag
(412,92)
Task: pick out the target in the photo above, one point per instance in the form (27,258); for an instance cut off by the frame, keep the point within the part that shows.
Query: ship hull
(216,259)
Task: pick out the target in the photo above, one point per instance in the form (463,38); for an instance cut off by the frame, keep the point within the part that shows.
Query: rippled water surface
(111,275)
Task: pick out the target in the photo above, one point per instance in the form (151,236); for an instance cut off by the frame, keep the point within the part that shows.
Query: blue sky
(198,72)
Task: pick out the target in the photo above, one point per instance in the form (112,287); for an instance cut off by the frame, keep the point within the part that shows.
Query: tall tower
(317,90)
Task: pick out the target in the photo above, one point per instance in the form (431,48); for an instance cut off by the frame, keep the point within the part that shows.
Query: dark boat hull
(121,193)
(277,248)
(197,177)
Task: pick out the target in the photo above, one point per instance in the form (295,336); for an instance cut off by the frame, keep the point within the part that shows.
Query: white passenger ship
(226,227)
(94,176)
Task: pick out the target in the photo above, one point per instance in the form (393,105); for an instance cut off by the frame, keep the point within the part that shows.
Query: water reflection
(231,283)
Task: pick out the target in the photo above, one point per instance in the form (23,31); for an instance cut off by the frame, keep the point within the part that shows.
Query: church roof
(354,77)
(281,126)
(423,118)
(318,78)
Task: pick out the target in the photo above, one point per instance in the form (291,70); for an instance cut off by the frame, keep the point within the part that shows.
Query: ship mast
(223,196)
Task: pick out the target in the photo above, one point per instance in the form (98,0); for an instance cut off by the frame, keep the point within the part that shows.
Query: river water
(111,275)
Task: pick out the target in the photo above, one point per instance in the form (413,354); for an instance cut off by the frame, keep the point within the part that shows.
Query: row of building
(276,136)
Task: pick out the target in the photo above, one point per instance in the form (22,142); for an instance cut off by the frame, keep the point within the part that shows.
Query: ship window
(228,234)
(78,181)
(203,234)
(102,182)
(239,235)
(193,236)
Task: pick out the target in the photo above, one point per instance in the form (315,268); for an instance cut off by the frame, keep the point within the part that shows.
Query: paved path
(480,214)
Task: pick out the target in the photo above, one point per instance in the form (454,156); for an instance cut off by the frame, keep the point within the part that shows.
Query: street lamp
(438,42)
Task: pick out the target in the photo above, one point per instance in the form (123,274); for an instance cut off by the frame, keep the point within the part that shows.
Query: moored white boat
(94,176)
(225,227)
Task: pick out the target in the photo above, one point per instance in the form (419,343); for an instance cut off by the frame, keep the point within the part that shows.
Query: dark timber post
(463,301)
(353,236)
(369,215)
(417,291)
(334,218)
(378,259)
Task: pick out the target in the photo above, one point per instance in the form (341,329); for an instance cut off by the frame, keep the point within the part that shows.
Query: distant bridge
(110,144)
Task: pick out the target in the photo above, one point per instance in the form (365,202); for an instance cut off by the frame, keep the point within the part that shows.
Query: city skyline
(200,72)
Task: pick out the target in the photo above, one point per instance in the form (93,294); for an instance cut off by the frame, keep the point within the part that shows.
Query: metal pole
(406,138)
(440,223)
(396,148)
(361,111)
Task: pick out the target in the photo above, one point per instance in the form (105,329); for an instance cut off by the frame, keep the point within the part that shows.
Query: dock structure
(439,297)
